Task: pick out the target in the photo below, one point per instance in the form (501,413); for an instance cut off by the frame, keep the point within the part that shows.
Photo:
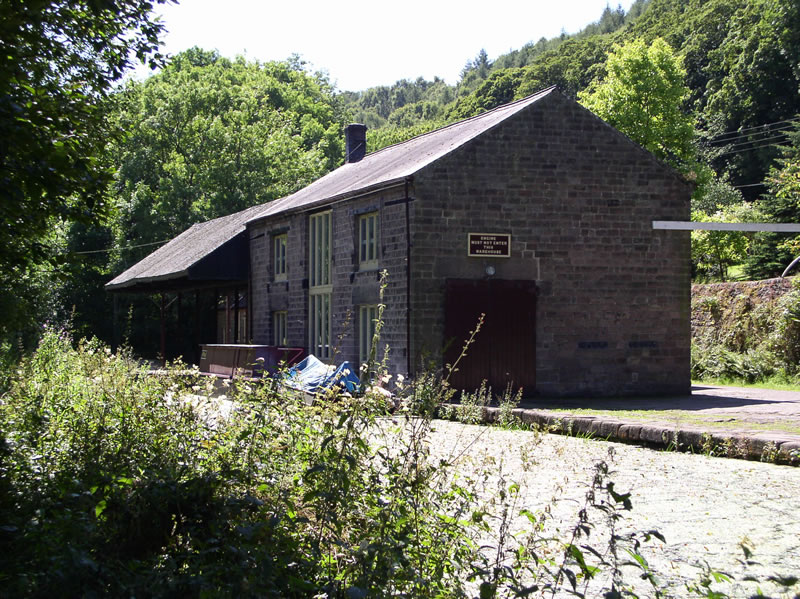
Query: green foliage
(387,136)
(718,363)
(747,339)
(714,252)
(642,95)
(573,66)
(374,106)
(760,60)
(500,88)
(117,482)
(208,136)
(772,253)
(473,73)
(60,62)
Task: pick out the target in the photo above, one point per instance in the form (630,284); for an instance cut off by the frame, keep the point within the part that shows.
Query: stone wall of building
(352,285)
(578,198)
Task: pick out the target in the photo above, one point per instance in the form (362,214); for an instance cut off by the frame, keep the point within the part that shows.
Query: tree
(642,95)
(757,76)
(714,252)
(208,136)
(772,252)
(59,59)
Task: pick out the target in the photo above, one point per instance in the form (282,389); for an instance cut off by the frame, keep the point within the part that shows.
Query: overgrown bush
(748,340)
(119,482)
(123,483)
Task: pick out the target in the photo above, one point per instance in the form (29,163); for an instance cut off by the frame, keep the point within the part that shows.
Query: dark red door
(504,350)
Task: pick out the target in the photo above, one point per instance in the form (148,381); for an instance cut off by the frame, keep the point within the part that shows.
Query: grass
(776,383)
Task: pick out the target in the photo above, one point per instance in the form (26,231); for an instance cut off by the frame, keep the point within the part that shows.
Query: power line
(129,247)
(757,141)
(750,136)
(774,145)
(739,132)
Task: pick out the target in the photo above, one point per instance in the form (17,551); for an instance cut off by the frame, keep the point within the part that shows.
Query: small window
(279,255)
(368,241)
(367,317)
(279,328)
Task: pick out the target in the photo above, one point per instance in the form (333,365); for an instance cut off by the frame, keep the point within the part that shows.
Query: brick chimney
(355,142)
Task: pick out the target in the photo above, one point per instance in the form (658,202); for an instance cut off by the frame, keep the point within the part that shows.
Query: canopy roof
(206,254)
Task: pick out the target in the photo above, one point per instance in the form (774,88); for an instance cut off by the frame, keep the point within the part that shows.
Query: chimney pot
(355,142)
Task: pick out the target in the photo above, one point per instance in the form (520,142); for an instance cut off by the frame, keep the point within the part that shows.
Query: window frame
(367,320)
(280,319)
(320,283)
(279,243)
(367,240)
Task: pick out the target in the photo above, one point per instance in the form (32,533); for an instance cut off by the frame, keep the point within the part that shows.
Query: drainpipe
(408,280)
(163,312)
(236,315)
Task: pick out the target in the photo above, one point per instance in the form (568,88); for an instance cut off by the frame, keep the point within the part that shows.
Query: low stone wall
(730,310)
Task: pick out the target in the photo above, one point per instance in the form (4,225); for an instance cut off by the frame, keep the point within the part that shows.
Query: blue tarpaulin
(313,376)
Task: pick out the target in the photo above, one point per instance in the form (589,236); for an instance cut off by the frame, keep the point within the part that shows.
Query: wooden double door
(504,350)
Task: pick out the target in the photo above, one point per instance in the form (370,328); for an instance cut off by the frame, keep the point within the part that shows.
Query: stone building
(537,214)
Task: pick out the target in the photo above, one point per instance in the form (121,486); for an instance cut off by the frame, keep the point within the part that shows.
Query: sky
(362,44)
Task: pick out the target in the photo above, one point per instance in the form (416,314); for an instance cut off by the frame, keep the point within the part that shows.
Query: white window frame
(279,327)
(367,318)
(320,283)
(279,256)
(368,241)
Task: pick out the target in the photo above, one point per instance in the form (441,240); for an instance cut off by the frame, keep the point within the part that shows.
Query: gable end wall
(578,199)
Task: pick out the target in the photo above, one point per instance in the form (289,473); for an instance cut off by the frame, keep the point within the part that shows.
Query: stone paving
(704,506)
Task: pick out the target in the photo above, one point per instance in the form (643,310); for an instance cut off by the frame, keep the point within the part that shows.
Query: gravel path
(705,507)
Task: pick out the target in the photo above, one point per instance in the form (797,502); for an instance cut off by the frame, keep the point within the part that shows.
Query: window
(320,287)
(279,257)
(367,316)
(242,330)
(279,328)
(232,318)
(368,241)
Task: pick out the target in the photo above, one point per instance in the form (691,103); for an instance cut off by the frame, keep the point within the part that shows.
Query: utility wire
(750,136)
(739,132)
(112,249)
(757,141)
(756,147)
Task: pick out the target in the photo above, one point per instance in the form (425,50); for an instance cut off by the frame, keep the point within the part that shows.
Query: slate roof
(385,167)
(175,259)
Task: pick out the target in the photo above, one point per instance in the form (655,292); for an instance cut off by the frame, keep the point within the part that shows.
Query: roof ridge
(459,122)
